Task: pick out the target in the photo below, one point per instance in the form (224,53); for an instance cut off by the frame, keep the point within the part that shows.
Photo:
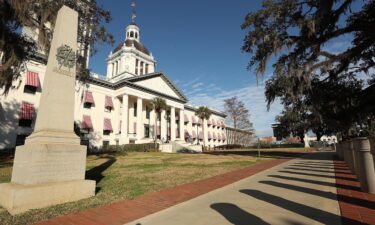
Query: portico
(137,120)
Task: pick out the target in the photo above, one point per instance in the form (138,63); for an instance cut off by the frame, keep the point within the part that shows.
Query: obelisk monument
(50,168)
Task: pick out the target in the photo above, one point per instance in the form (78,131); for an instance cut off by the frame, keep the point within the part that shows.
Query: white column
(119,66)
(139,119)
(182,125)
(173,124)
(124,119)
(152,122)
(109,70)
(163,123)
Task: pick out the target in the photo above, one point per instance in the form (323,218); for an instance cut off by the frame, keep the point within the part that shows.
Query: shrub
(123,149)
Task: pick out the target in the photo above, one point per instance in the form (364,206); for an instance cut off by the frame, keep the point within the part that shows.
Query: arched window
(136,35)
(131,34)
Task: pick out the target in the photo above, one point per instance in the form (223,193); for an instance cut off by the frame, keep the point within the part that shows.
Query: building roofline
(164,77)
(193,108)
(125,83)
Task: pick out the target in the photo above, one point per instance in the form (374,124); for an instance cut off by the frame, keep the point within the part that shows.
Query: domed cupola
(132,32)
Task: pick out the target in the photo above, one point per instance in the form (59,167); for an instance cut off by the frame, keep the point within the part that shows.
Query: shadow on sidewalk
(317,175)
(304,210)
(236,215)
(312,170)
(329,195)
(316,182)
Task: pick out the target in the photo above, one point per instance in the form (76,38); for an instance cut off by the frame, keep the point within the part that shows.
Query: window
(26,114)
(87,105)
(29,89)
(106,132)
(32,82)
(21,139)
(25,123)
(147,131)
(105,144)
(147,113)
(136,35)
(131,34)
(135,109)
(146,72)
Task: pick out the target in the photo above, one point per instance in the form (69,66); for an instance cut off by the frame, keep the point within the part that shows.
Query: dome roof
(128,43)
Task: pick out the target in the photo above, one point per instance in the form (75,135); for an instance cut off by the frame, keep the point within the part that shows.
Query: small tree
(158,104)
(203,113)
(238,115)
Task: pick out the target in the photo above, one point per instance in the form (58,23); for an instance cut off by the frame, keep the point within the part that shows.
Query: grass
(121,177)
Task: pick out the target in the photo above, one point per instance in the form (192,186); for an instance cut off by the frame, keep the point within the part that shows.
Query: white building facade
(115,109)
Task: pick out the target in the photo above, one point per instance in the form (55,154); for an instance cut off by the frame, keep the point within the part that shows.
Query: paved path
(311,190)
(300,191)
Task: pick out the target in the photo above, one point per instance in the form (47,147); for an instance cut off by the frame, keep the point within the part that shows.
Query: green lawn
(132,175)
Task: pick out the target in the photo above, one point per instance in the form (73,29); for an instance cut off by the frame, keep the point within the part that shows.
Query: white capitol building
(115,109)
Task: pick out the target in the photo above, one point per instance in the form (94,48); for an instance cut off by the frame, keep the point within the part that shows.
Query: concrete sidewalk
(300,191)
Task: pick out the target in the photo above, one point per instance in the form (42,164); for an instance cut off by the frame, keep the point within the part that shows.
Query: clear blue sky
(197,43)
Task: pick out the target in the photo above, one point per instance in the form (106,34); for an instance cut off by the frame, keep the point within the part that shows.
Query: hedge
(149,147)
(262,145)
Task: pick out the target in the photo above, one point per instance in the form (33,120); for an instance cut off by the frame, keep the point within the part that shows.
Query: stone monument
(50,168)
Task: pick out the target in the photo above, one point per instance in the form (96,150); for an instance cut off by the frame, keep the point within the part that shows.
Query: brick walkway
(354,204)
(128,210)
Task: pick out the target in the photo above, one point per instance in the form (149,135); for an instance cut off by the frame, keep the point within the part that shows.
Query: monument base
(17,198)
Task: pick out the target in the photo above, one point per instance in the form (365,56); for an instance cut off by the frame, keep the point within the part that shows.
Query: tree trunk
(204,140)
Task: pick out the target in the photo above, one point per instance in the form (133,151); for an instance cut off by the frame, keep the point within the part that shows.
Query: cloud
(197,85)
(253,97)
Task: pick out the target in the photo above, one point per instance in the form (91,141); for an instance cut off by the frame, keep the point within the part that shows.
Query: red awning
(200,135)
(200,122)
(32,79)
(27,111)
(86,122)
(218,137)
(209,135)
(223,136)
(186,119)
(108,102)
(89,98)
(213,123)
(194,135)
(107,125)
(209,122)
(187,135)
(214,136)
(193,120)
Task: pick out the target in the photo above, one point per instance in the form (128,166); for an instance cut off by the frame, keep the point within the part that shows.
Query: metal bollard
(372,146)
(353,165)
(365,162)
